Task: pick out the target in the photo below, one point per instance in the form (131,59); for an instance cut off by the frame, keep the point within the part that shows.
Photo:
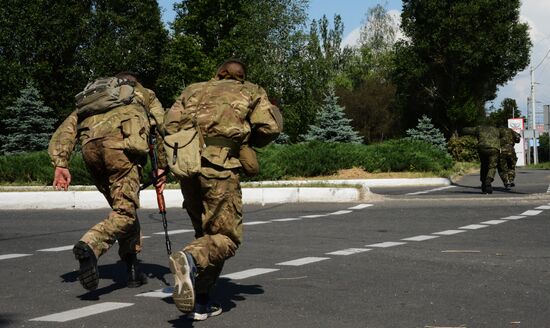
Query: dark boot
(88,275)
(136,278)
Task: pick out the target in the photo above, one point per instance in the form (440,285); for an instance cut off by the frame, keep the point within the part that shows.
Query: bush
(463,149)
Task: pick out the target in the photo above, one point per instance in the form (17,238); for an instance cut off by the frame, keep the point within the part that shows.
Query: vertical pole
(533,102)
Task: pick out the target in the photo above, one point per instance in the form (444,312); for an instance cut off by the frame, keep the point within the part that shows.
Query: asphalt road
(436,259)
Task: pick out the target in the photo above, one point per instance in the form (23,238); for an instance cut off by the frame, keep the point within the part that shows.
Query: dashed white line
(420,238)
(304,260)
(349,251)
(493,222)
(474,226)
(313,216)
(531,213)
(543,207)
(12,256)
(57,249)
(387,244)
(513,217)
(159,293)
(174,232)
(255,222)
(247,273)
(83,312)
(360,206)
(431,190)
(340,212)
(448,232)
(286,219)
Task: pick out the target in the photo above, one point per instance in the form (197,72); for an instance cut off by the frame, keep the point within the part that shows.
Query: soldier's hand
(62,178)
(161,182)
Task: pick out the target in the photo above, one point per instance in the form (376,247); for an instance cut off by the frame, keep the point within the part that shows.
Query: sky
(534,12)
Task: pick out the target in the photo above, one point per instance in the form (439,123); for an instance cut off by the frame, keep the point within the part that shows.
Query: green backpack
(102,95)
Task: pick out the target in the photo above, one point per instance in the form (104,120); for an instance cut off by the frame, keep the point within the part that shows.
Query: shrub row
(276,161)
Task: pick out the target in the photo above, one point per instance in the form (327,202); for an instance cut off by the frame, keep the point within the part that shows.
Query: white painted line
(12,256)
(304,260)
(513,217)
(474,226)
(286,219)
(247,273)
(349,251)
(531,212)
(255,222)
(387,244)
(174,232)
(360,206)
(145,237)
(313,216)
(57,249)
(448,232)
(159,293)
(493,222)
(83,312)
(420,238)
(431,190)
(543,207)
(340,212)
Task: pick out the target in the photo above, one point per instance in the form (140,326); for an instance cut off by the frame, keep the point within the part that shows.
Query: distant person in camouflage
(508,158)
(232,115)
(114,148)
(488,148)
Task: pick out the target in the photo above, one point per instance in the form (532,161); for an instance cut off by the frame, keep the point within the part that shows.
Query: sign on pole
(517,125)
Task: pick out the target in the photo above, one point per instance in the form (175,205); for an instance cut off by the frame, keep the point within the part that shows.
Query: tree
(499,117)
(456,55)
(425,131)
(30,124)
(331,124)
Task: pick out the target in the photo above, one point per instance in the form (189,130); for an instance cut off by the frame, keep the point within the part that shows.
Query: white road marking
(145,237)
(448,232)
(304,260)
(360,206)
(159,293)
(420,238)
(473,226)
(340,212)
(174,232)
(349,251)
(531,212)
(492,222)
(286,219)
(387,244)
(57,249)
(313,216)
(247,273)
(83,312)
(255,222)
(431,190)
(12,256)
(543,207)
(513,217)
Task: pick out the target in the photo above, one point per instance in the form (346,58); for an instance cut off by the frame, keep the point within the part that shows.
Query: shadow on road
(477,190)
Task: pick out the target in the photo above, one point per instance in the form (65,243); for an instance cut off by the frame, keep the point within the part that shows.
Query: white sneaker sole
(195,316)
(183,295)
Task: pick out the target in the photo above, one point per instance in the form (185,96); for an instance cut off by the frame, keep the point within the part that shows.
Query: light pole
(535,152)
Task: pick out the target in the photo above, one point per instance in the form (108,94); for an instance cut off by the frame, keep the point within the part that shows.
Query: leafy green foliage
(499,117)
(331,124)
(425,131)
(463,149)
(30,123)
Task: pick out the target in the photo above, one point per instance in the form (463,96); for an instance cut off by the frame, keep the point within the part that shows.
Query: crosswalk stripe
(255,222)
(449,232)
(286,219)
(513,217)
(57,249)
(174,232)
(340,212)
(83,312)
(248,273)
(474,226)
(543,207)
(12,256)
(531,212)
(492,222)
(387,244)
(304,260)
(349,251)
(360,206)
(420,238)
(159,293)
(313,216)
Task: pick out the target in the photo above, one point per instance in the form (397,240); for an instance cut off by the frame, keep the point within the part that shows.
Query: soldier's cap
(232,68)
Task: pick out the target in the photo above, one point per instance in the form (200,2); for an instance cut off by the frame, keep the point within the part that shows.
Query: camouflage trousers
(489,162)
(507,167)
(117,177)
(213,200)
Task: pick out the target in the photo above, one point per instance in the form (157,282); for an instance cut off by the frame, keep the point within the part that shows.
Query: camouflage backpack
(102,95)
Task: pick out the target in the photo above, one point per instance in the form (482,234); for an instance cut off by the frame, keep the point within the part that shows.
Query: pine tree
(331,124)
(426,131)
(29,124)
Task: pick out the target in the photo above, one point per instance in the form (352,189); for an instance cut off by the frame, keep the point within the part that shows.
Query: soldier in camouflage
(508,158)
(231,114)
(115,166)
(488,147)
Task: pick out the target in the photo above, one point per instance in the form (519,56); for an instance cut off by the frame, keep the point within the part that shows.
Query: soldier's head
(128,75)
(232,69)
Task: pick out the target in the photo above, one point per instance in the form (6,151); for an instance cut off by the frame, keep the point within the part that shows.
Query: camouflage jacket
(225,108)
(508,138)
(487,136)
(105,126)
